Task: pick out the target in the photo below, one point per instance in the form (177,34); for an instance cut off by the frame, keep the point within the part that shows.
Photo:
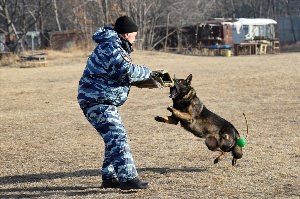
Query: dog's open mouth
(173,92)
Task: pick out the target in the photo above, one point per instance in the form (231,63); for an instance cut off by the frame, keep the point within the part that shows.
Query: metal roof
(255,21)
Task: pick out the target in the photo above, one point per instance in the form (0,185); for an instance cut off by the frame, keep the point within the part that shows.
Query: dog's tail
(246,125)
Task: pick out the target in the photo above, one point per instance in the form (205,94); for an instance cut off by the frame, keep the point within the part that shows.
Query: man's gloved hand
(154,74)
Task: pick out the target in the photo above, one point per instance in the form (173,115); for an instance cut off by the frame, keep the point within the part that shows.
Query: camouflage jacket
(109,72)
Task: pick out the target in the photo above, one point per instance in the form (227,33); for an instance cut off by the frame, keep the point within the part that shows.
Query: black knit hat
(125,25)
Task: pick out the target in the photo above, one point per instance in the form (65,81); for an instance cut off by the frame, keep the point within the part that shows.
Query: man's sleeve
(129,72)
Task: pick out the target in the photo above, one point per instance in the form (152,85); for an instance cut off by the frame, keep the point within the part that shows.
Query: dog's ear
(189,79)
(211,143)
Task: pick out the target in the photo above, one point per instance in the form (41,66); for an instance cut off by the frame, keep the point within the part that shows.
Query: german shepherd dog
(220,135)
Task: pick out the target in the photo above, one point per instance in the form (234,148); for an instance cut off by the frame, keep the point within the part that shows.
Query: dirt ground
(49,150)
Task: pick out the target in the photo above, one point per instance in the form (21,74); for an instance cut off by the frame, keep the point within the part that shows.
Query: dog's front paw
(160,119)
(171,109)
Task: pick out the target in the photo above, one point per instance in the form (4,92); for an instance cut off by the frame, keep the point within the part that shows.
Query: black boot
(135,183)
(110,183)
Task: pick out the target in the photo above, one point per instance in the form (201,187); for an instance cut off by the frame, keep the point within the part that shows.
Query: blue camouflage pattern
(104,86)
(118,161)
(109,72)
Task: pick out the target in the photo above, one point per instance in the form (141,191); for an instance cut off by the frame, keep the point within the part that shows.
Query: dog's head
(181,87)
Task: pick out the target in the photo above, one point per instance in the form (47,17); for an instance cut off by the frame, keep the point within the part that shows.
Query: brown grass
(49,150)
(8,59)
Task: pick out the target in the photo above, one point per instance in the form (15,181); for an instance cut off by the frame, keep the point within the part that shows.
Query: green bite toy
(241,142)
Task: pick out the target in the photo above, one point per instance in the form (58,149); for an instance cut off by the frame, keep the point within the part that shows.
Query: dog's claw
(233,162)
(170,108)
(216,160)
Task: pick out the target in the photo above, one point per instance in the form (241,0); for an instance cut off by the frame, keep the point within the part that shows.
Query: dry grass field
(49,150)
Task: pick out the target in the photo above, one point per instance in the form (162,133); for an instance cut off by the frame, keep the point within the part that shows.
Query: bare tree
(19,15)
(10,25)
(105,10)
(167,16)
(180,13)
(56,15)
(146,14)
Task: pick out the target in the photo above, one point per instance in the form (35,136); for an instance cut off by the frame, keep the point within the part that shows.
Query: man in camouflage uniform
(103,87)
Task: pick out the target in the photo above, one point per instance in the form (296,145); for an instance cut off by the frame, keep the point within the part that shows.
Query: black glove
(154,74)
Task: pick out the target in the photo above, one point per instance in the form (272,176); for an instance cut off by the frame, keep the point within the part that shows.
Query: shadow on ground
(43,191)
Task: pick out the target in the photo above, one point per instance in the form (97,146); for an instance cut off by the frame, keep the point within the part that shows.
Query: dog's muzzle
(175,90)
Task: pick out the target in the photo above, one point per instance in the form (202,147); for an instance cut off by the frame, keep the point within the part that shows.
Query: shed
(216,32)
(66,39)
(245,30)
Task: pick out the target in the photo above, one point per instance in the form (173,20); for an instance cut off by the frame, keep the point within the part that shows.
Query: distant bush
(7,59)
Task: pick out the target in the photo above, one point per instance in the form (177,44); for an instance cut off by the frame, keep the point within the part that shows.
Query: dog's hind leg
(220,157)
(234,161)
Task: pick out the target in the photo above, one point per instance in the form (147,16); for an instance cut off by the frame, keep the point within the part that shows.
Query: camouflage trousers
(118,161)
